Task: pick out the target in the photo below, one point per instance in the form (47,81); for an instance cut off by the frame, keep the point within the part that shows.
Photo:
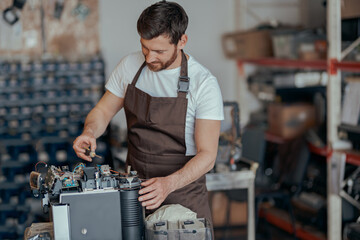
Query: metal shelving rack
(333,65)
(336,160)
(43,104)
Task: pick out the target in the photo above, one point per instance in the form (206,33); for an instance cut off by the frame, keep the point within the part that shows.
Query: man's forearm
(96,123)
(207,145)
(100,116)
(194,169)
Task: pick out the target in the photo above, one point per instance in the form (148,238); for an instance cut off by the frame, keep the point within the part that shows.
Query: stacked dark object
(43,105)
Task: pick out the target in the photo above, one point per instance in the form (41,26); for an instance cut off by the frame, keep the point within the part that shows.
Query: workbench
(218,181)
(241,179)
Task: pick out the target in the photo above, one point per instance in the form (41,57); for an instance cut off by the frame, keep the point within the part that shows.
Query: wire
(38,163)
(114,171)
(80,164)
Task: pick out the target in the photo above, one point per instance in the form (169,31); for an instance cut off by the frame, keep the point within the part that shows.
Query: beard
(158,65)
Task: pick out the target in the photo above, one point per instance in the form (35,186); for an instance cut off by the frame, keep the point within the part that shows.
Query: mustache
(154,63)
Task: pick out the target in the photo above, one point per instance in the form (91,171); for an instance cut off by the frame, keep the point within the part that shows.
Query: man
(173,107)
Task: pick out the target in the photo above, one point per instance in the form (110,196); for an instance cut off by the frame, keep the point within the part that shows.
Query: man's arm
(96,123)
(206,138)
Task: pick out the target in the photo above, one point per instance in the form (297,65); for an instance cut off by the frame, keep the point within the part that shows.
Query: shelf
(317,150)
(281,219)
(270,137)
(352,157)
(286,63)
(348,66)
(350,128)
(302,64)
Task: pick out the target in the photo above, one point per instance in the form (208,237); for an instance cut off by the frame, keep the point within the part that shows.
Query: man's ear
(182,42)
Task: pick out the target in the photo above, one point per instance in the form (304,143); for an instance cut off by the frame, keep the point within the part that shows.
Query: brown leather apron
(156,140)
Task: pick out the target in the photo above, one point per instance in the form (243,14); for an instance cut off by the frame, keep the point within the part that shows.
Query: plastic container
(194,229)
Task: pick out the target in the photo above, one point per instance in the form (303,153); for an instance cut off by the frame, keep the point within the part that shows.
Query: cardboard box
(291,43)
(219,206)
(290,121)
(238,213)
(248,44)
(350,9)
(285,43)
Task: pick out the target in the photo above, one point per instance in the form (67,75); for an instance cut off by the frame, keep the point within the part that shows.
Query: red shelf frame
(348,66)
(319,151)
(287,226)
(270,137)
(297,64)
(352,157)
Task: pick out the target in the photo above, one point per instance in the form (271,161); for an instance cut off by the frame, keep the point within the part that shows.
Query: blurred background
(287,105)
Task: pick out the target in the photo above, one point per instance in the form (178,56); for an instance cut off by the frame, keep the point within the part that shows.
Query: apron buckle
(183,84)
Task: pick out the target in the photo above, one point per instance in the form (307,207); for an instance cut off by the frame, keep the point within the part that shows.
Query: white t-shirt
(204,96)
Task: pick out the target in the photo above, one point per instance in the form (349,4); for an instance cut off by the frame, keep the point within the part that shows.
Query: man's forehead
(161,39)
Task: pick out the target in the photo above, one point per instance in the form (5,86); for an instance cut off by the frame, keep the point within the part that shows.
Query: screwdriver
(90,153)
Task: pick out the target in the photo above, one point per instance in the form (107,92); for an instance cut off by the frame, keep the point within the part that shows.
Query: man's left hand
(155,191)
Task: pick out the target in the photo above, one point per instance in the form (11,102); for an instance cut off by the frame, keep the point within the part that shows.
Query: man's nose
(150,57)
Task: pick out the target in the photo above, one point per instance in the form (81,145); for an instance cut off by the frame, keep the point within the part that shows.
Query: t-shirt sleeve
(124,73)
(209,101)
(117,82)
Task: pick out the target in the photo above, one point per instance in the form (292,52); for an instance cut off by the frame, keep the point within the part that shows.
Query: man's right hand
(85,140)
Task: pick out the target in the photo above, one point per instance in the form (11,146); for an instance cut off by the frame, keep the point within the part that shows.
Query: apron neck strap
(184,80)
(134,81)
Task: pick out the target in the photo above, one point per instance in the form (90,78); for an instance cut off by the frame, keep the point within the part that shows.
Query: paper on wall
(10,35)
(31,38)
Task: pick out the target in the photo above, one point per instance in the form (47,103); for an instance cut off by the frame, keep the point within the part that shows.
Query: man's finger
(150,202)
(83,156)
(78,149)
(148,182)
(146,190)
(148,196)
(79,143)
(154,206)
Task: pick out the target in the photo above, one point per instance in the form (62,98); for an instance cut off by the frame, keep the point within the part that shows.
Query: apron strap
(184,80)
(134,81)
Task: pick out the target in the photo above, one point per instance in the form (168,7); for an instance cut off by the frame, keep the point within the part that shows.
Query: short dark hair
(163,18)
